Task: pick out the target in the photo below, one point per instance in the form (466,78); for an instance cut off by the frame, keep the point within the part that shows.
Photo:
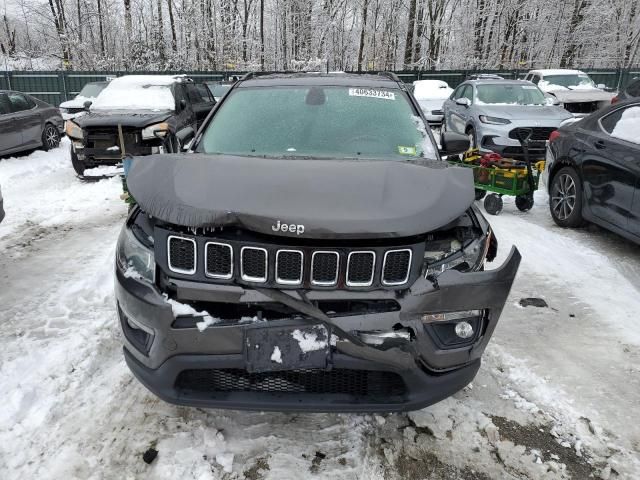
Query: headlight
(494,120)
(134,259)
(451,254)
(73,130)
(155,131)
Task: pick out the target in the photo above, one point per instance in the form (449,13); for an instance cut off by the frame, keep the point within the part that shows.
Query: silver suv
(491,111)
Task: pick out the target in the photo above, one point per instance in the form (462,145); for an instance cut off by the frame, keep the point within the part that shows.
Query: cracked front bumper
(427,370)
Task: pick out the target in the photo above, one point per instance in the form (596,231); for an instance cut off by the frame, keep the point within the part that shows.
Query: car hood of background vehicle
(126,118)
(524,112)
(331,198)
(581,95)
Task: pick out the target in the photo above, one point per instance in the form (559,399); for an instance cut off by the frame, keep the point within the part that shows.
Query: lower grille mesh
(357,383)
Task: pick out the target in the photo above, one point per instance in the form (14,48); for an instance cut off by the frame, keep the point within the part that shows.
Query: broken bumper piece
(406,358)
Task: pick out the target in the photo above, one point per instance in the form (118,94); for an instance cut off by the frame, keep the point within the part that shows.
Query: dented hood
(331,198)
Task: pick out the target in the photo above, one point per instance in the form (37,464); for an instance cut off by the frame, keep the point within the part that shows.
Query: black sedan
(593,170)
(27,123)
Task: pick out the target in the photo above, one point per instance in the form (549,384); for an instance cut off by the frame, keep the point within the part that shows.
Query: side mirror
(453,143)
(185,137)
(601,86)
(87,104)
(465,102)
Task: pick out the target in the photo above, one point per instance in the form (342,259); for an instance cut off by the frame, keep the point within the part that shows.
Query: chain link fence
(56,87)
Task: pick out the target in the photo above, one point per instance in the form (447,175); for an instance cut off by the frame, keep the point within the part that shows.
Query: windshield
(509,94)
(570,81)
(91,90)
(317,122)
(136,93)
(219,90)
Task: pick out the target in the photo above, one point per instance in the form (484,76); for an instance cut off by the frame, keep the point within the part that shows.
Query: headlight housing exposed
(133,258)
(494,120)
(462,248)
(155,131)
(73,130)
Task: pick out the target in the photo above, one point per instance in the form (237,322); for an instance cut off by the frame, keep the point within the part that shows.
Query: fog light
(449,316)
(464,330)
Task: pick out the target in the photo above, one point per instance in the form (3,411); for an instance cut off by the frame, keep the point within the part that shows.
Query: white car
(431,95)
(573,89)
(72,108)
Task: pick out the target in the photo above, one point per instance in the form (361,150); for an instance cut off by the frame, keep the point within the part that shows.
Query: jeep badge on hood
(291,227)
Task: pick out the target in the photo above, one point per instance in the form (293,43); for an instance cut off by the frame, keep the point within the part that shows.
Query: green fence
(56,87)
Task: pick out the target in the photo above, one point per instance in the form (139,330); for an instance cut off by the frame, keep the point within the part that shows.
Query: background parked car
(593,170)
(630,91)
(490,112)
(1,206)
(156,114)
(27,123)
(72,108)
(218,89)
(431,95)
(573,89)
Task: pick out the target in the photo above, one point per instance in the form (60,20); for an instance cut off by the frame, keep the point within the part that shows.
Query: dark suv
(312,252)
(137,115)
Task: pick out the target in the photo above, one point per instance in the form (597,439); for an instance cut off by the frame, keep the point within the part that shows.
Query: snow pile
(311,341)
(276,356)
(427,145)
(628,127)
(137,92)
(181,309)
(431,90)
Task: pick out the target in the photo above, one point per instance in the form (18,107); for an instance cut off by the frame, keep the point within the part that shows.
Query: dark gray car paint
(23,130)
(346,198)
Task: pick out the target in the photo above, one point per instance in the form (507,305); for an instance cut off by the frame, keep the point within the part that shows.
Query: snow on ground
(556,396)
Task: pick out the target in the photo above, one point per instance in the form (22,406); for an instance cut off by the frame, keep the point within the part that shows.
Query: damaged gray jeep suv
(312,251)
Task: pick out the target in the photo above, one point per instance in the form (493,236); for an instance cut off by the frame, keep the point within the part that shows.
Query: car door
(11,136)
(201,100)
(185,114)
(460,114)
(450,106)
(610,166)
(26,115)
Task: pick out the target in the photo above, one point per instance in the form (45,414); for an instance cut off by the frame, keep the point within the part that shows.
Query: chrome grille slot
(289,267)
(219,260)
(396,267)
(181,254)
(324,268)
(360,268)
(253,264)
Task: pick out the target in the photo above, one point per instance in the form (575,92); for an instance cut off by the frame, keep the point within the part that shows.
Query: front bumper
(427,370)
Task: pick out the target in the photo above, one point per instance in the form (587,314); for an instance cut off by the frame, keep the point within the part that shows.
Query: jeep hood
(126,118)
(331,198)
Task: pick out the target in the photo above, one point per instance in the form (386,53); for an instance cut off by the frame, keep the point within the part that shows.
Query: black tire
(480,194)
(471,133)
(565,198)
(50,137)
(78,166)
(493,204)
(524,202)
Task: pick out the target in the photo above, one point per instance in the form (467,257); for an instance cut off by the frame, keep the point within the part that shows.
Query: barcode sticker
(369,92)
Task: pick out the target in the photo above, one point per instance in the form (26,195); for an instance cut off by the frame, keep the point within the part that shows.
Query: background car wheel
(524,202)
(565,198)
(471,133)
(480,193)
(50,137)
(78,166)
(493,204)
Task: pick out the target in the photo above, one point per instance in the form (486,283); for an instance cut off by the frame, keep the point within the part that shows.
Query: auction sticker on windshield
(369,92)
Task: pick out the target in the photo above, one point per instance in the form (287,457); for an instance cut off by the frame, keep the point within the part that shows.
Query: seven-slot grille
(291,267)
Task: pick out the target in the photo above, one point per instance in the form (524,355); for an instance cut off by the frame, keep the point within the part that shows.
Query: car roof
(319,79)
(558,71)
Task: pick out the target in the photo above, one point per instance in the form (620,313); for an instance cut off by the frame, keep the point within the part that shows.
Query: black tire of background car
(78,166)
(493,204)
(524,202)
(50,137)
(574,219)
(480,194)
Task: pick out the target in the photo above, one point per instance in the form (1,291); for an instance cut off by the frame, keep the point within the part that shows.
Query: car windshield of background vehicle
(505,94)
(572,82)
(318,122)
(623,124)
(134,94)
(220,90)
(91,90)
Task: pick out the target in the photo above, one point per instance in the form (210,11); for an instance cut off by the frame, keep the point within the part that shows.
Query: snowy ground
(557,396)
